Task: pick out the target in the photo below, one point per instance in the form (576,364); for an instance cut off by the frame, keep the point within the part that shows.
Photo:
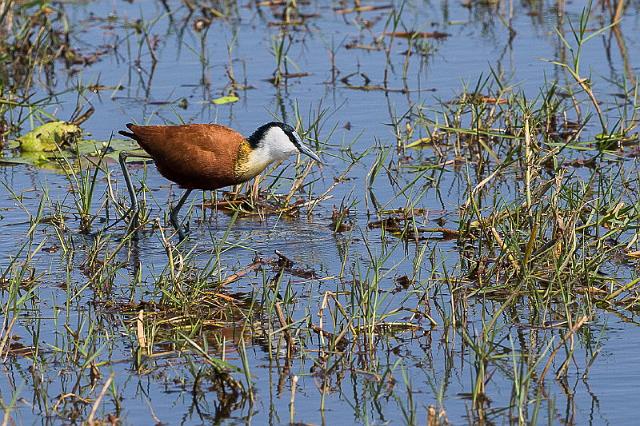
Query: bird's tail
(128,134)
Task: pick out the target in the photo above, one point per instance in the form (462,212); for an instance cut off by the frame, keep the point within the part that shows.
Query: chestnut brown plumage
(210,156)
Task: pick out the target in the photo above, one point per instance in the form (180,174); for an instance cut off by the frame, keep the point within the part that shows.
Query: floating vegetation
(225,100)
(50,137)
(81,149)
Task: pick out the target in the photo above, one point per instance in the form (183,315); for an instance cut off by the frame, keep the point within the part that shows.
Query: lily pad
(85,150)
(111,149)
(225,100)
(49,137)
(29,158)
(40,160)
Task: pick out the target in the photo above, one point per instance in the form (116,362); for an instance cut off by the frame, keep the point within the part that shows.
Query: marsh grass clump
(35,41)
(549,210)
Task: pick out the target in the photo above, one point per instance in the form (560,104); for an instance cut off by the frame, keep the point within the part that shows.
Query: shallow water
(390,380)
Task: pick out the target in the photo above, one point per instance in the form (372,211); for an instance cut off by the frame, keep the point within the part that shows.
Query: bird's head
(277,141)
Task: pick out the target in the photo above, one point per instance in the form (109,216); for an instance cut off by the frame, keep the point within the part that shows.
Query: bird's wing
(196,155)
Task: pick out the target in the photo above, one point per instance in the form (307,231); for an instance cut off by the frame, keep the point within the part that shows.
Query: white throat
(274,146)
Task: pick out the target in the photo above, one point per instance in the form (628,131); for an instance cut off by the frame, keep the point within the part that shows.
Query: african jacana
(210,156)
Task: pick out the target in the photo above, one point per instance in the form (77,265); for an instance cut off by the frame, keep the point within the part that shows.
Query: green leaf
(37,159)
(85,151)
(49,136)
(419,143)
(225,100)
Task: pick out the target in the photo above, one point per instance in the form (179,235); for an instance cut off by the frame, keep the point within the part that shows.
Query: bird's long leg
(122,158)
(173,215)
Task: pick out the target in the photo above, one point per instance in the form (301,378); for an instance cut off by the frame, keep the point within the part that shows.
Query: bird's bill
(306,151)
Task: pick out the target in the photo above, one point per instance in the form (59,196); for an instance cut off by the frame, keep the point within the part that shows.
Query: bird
(209,156)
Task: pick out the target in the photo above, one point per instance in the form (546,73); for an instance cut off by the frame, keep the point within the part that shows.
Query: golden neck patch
(249,163)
